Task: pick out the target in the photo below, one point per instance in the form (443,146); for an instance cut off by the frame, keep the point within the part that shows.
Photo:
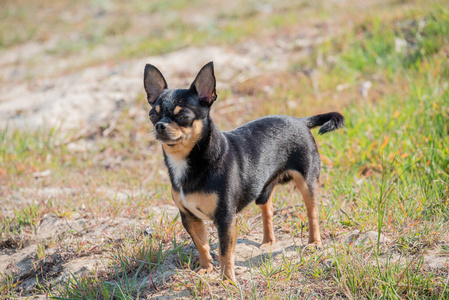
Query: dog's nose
(160,127)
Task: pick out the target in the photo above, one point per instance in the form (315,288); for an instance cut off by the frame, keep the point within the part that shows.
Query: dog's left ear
(154,83)
(204,85)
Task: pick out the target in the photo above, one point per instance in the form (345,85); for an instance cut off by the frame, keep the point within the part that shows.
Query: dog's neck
(210,148)
(208,151)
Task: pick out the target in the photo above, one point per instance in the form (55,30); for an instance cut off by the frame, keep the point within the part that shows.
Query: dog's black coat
(242,165)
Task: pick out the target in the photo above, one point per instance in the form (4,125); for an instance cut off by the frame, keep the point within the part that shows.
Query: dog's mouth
(167,141)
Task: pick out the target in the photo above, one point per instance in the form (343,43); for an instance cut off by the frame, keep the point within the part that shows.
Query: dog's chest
(178,168)
(201,205)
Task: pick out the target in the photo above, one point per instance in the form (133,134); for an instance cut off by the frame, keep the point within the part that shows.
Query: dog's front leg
(195,227)
(227,237)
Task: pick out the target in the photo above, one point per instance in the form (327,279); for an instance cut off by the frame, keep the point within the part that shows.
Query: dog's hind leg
(266,206)
(309,191)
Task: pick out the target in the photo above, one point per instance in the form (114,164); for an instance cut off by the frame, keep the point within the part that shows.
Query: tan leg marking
(198,233)
(310,199)
(267,219)
(157,108)
(227,259)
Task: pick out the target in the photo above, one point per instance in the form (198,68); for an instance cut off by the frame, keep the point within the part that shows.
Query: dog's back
(262,152)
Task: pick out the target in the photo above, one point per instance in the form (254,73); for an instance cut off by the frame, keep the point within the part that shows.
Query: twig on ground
(352,219)
(67,222)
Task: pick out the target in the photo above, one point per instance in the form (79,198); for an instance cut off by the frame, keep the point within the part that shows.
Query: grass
(404,173)
(386,172)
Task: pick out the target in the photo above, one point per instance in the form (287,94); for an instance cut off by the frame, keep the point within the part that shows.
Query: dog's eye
(153,116)
(182,117)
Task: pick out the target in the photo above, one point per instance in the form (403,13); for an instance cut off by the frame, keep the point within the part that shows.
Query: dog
(215,174)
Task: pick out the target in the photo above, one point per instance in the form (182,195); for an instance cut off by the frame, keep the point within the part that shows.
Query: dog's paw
(267,244)
(229,280)
(204,270)
(317,245)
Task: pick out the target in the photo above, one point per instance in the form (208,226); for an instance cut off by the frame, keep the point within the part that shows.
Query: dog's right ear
(154,83)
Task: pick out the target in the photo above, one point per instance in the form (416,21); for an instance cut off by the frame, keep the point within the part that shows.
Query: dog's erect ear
(204,84)
(154,82)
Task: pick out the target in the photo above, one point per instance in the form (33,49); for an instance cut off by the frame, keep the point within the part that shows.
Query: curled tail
(330,121)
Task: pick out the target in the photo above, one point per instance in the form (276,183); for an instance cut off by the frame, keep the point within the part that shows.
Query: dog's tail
(330,121)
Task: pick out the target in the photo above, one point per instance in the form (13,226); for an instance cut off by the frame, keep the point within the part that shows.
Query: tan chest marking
(202,205)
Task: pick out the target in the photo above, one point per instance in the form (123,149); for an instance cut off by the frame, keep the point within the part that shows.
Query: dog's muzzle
(160,127)
(163,134)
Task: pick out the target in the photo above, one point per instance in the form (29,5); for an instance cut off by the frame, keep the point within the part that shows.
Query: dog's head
(179,115)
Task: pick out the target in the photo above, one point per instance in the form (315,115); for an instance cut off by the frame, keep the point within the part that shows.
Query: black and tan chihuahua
(215,174)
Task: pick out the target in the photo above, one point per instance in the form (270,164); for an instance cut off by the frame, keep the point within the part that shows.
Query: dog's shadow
(260,258)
